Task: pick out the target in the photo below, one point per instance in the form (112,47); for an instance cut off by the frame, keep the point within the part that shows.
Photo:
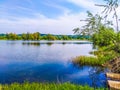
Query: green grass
(46,86)
(100,58)
(86,60)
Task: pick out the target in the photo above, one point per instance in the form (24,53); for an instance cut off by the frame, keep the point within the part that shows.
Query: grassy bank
(99,59)
(47,86)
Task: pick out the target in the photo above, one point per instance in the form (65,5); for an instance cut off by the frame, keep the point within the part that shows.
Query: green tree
(93,22)
(11,36)
(24,37)
(65,37)
(28,36)
(2,36)
(31,36)
(7,36)
(51,37)
(109,7)
(105,37)
(36,35)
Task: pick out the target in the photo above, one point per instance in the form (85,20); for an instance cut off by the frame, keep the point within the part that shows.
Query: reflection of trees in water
(31,43)
(37,43)
(94,74)
(63,43)
(49,43)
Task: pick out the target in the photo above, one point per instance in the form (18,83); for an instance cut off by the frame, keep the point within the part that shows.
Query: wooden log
(114,85)
(113,76)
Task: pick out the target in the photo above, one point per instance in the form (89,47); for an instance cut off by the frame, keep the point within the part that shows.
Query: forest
(39,36)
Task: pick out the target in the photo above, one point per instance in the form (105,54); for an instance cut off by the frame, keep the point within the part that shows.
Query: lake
(47,61)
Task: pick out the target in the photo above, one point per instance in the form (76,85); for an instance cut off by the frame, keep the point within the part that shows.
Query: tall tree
(105,37)
(36,35)
(23,36)
(50,37)
(109,7)
(93,22)
(11,36)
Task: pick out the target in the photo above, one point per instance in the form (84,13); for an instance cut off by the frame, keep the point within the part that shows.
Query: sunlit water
(47,62)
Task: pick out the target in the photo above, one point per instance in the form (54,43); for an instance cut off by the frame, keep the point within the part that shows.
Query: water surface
(47,61)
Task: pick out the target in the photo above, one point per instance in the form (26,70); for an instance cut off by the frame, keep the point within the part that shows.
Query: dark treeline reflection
(37,43)
(49,43)
(31,43)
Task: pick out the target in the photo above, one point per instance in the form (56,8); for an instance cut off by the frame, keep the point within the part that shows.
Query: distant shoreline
(39,36)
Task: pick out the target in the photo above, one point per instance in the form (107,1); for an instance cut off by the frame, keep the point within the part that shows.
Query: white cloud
(61,25)
(83,3)
(57,6)
(86,4)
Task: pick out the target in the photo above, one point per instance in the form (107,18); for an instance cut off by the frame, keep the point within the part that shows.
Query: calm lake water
(47,61)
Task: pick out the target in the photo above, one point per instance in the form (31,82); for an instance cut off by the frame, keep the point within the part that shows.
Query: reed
(86,60)
(100,58)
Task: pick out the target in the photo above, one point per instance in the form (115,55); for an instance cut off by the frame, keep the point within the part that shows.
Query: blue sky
(44,16)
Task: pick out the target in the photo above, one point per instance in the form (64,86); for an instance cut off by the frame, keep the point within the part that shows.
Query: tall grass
(46,86)
(100,58)
(85,60)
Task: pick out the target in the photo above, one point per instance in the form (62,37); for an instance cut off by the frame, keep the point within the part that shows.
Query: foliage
(105,37)
(100,58)
(85,60)
(31,36)
(11,36)
(110,7)
(46,86)
(50,37)
(65,37)
(38,36)
(102,34)
(93,22)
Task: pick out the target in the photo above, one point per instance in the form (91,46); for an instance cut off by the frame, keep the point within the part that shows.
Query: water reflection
(36,61)
(54,72)
(31,43)
(31,72)
(95,76)
(49,43)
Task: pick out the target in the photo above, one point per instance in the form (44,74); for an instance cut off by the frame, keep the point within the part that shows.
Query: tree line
(38,36)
